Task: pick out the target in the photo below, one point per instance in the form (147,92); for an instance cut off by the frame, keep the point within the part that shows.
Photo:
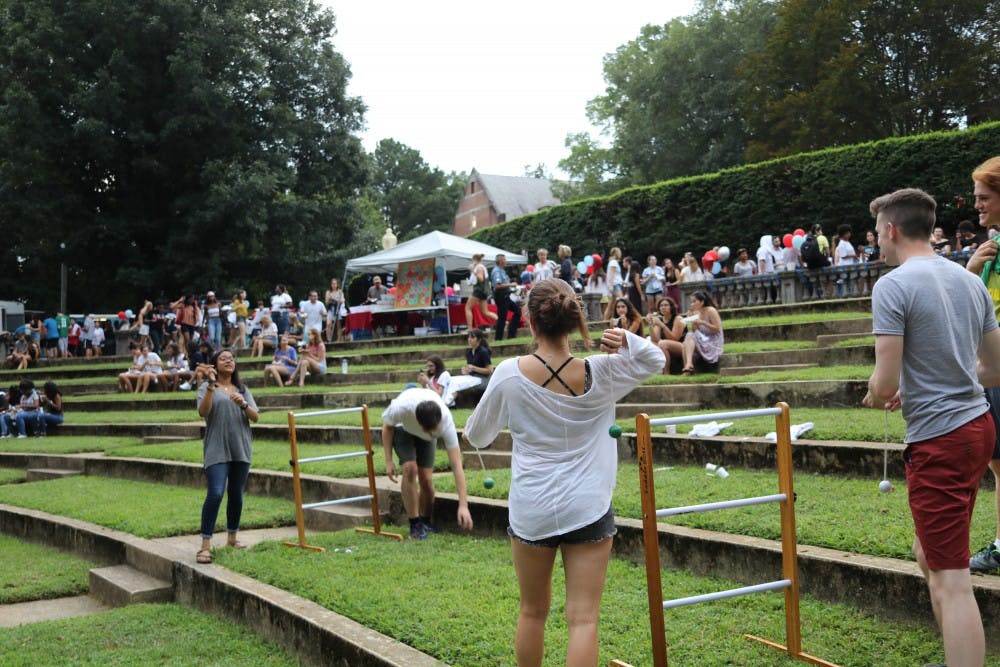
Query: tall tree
(414,197)
(845,71)
(671,102)
(173,145)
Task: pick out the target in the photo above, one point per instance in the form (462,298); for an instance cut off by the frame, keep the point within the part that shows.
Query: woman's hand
(613,340)
(983,254)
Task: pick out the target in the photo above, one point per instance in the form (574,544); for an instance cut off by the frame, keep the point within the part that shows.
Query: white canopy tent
(454,253)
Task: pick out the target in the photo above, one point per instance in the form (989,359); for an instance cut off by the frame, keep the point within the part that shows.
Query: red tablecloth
(368,320)
(456,311)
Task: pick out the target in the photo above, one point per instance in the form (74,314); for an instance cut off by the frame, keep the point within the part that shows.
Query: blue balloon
(581,267)
(588,260)
(716,268)
(798,241)
(439,278)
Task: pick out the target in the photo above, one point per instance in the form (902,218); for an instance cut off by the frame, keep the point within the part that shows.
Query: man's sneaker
(428,526)
(985,560)
(418,531)
(21,436)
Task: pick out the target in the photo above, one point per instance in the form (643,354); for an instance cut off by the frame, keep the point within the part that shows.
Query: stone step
(630,410)
(120,585)
(43,474)
(826,340)
(747,370)
(22,613)
(162,439)
(491,459)
(339,517)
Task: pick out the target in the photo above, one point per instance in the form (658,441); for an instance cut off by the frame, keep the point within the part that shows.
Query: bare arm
(988,367)
(455,460)
(883,386)
(390,466)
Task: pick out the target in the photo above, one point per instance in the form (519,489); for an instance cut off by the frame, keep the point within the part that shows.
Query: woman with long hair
(335,311)
(51,413)
(227,407)
(625,316)
(478,357)
(705,338)
(479,279)
(558,408)
(435,376)
(268,337)
(284,362)
(312,360)
(666,330)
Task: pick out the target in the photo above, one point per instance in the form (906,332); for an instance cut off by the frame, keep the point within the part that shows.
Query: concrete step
(43,474)
(162,439)
(339,517)
(630,410)
(120,585)
(22,613)
(491,459)
(747,370)
(826,340)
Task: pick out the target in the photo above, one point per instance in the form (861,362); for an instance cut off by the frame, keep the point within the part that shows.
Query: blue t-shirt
(289,358)
(942,322)
(498,276)
(51,328)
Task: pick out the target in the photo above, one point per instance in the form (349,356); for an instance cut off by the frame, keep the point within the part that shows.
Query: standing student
(227,407)
(936,374)
(411,426)
(986,189)
(502,285)
(558,408)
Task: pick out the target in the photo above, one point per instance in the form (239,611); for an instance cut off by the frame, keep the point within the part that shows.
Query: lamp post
(62,278)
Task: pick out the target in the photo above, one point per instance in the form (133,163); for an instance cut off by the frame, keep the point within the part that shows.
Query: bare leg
(586,566)
(689,353)
(534,579)
(468,311)
(425,477)
(956,612)
(486,312)
(409,490)
(995,467)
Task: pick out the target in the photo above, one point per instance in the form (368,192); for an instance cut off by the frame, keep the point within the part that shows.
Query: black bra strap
(555,373)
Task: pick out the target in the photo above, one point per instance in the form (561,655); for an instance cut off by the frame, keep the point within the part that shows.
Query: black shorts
(479,291)
(993,396)
(601,529)
(409,447)
(49,343)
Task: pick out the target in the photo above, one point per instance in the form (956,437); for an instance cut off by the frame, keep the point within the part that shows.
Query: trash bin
(592,306)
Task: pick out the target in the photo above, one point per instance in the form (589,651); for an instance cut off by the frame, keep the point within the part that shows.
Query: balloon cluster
(714,259)
(589,264)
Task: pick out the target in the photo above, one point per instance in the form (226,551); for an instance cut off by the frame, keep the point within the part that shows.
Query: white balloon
(723,253)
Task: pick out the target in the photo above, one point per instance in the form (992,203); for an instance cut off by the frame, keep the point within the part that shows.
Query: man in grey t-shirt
(934,324)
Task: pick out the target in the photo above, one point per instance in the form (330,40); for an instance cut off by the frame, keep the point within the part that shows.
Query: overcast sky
(495,86)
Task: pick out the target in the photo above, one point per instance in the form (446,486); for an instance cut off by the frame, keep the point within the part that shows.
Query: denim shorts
(601,529)
(409,447)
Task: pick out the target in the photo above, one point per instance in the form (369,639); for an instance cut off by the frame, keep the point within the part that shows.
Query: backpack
(811,254)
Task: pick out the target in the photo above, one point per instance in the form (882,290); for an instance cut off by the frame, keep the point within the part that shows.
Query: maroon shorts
(942,477)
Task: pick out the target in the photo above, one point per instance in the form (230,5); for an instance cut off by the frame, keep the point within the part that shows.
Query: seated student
(666,329)
(477,370)
(151,370)
(266,339)
(626,316)
(705,339)
(435,377)
(26,413)
(176,371)
(199,361)
(128,382)
(52,408)
(284,362)
(20,356)
(312,359)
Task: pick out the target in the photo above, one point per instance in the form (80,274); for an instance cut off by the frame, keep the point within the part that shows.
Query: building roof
(514,196)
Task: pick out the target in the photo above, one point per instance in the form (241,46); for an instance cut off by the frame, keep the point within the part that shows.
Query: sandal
(204,556)
(687,371)
(236,545)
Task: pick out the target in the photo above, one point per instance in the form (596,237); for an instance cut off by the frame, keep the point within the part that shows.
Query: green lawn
(142,634)
(34,572)
(140,508)
(66,444)
(455,597)
(11,475)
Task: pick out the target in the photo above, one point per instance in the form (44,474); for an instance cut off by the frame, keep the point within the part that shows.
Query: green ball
(488,482)
(615,431)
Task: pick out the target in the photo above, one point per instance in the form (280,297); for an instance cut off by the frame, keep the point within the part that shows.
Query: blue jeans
(280,319)
(216,476)
(215,332)
(46,420)
(23,418)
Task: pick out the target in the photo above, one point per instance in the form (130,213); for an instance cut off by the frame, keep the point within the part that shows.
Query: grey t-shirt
(227,428)
(942,312)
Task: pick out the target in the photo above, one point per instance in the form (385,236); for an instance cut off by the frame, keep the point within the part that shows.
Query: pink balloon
(449,291)
(787,240)
(531,267)
(799,232)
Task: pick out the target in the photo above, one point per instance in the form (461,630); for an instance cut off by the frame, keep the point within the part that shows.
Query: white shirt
(281,301)
(614,272)
(564,461)
(314,314)
(153,364)
(743,269)
(765,260)
(845,253)
(544,270)
(402,413)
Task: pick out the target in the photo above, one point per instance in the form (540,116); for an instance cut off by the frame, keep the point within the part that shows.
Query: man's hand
(390,470)
(464,518)
(891,405)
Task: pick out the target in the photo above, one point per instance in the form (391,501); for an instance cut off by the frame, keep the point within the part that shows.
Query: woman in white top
(558,408)
(691,273)
(335,310)
(845,254)
(478,278)
(743,268)
(435,376)
(544,268)
(615,273)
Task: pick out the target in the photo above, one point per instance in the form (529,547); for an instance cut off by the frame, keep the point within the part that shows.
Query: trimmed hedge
(737,206)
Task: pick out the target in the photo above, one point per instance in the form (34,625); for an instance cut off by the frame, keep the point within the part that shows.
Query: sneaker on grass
(418,531)
(986,560)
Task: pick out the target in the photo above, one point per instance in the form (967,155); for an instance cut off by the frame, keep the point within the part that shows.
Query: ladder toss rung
(339,501)
(331,457)
(319,413)
(731,593)
(722,505)
(738,414)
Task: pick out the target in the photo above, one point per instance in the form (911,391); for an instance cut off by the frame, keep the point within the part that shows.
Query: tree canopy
(172,145)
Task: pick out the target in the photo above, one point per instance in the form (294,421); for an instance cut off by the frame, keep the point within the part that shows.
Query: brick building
(491,199)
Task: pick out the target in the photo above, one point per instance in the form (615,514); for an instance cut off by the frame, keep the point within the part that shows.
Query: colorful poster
(414,282)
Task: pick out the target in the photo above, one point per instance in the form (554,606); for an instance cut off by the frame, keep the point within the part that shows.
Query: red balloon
(392,290)
(787,240)
(707,263)
(121,314)
(711,256)
(590,269)
(799,232)
(598,262)
(531,267)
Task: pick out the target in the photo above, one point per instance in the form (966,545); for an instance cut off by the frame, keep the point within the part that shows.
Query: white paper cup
(711,467)
(721,472)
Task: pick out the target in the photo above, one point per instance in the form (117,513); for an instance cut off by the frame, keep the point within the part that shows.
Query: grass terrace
(33,572)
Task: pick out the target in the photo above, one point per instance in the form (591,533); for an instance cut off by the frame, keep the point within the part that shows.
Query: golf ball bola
(615,431)
(488,482)
(885,486)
